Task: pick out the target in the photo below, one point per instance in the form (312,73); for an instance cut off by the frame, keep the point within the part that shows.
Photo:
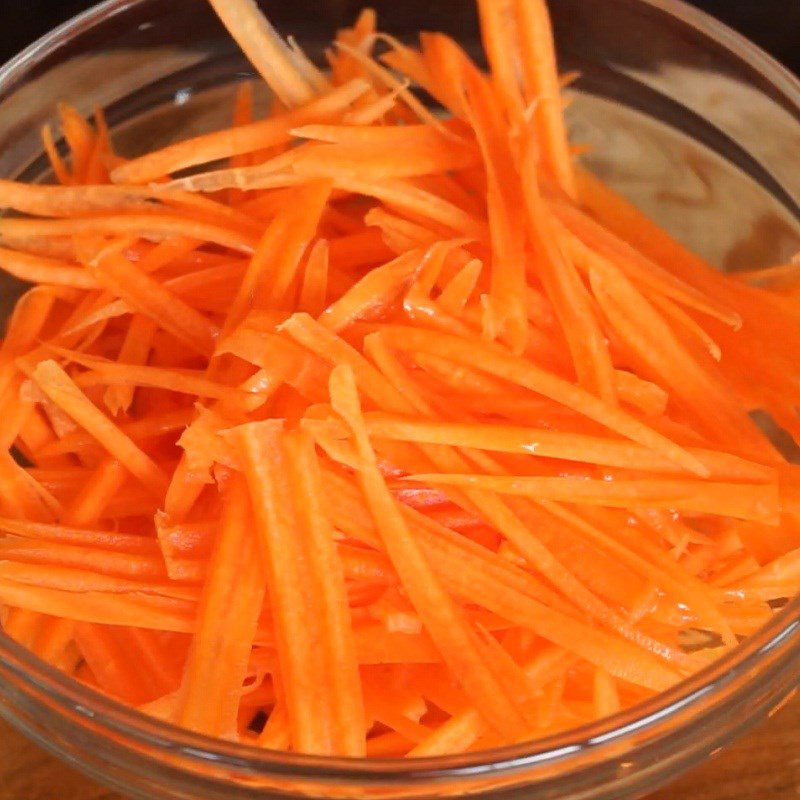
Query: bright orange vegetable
(392,434)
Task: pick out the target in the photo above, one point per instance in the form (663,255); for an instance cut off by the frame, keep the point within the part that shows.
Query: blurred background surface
(773,24)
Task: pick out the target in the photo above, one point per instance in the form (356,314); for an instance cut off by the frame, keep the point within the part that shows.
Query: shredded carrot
(366,430)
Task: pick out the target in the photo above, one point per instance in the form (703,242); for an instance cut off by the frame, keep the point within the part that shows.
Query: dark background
(774,24)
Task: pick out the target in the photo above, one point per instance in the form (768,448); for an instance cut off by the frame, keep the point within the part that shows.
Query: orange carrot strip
(147,296)
(540,73)
(267,51)
(264,460)
(314,290)
(60,388)
(443,619)
(40,269)
(327,573)
(743,501)
(373,292)
(552,444)
(237,141)
(156,226)
(492,360)
(228,613)
(56,161)
(570,299)
(91,605)
(135,350)
(498,31)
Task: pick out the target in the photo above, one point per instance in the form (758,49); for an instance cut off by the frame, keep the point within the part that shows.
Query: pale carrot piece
(328,584)
(542,88)
(228,613)
(60,388)
(265,468)
(42,200)
(743,501)
(440,615)
(237,141)
(494,361)
(267,51)
(379,73)
(150,298)
(314,290)
(683,320)
(378,109)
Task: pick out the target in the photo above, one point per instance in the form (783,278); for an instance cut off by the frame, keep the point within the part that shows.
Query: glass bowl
(688,119)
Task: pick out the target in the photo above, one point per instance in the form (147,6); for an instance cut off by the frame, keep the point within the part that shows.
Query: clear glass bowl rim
(707,694)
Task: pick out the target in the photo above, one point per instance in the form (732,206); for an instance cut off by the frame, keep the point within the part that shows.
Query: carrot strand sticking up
(270,55)
(542,88)
(362,428)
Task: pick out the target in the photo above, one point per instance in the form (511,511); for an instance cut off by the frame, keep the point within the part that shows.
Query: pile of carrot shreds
(384,432)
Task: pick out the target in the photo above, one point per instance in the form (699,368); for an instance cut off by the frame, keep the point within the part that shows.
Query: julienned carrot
(348,725)
(402,433)
(265,468)
(550,444)
(444,620)
(60,388)
(741,501)
(529,376)
(228,616)
(270,55)
(236,141)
